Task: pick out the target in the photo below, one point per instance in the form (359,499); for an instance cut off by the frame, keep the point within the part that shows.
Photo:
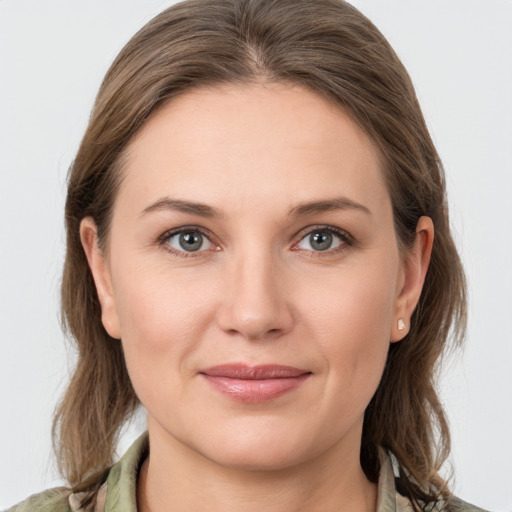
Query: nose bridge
(255,304)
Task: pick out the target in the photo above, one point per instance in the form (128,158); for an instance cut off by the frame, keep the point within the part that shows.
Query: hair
(333,50)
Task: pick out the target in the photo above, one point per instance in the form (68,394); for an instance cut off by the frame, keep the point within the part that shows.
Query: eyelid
(167,235)
(346,238)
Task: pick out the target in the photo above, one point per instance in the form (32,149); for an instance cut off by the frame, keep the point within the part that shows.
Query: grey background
(53,55)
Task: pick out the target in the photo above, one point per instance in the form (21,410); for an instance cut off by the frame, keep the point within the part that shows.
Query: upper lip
(247,372)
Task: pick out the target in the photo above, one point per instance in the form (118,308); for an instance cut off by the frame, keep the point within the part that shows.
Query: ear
(101,274)
(414,270)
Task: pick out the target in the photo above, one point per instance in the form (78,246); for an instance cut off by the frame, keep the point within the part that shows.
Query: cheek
(357,302)
(163,319)
(351,317)
(157,305)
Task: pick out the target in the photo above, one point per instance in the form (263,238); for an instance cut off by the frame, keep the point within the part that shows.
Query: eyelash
(346,240)
(165,237)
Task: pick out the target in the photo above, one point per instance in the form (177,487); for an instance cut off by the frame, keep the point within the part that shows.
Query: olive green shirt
(118,493)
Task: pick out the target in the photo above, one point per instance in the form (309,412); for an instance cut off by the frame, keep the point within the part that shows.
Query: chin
(256,459)
(260,450)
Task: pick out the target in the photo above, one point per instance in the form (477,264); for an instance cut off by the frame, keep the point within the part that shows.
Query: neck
(175,478)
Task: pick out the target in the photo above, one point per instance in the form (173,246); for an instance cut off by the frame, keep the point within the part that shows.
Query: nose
(255,303)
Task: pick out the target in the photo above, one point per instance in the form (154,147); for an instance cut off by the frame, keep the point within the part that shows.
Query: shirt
(118,493)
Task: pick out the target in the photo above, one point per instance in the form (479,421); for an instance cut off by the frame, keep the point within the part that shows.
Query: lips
(254,384)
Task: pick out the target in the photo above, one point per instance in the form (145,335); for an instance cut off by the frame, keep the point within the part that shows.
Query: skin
(257,292)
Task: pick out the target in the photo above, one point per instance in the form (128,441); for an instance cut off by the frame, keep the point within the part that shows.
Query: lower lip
(255,391)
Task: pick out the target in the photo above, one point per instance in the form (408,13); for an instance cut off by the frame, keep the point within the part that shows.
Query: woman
(258,252)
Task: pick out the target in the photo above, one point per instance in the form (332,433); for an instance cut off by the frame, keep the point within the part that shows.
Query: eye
(188,240)
(323,239)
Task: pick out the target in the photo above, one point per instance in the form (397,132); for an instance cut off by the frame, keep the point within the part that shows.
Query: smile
(254,384)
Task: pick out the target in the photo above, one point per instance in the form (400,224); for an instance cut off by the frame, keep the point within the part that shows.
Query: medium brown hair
(332,49)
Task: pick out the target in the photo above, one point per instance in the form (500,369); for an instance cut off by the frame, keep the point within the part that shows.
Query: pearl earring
(401,324)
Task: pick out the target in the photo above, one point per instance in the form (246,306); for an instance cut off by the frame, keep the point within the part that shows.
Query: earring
(401,324)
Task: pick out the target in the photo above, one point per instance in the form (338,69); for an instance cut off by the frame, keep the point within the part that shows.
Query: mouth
(254,384)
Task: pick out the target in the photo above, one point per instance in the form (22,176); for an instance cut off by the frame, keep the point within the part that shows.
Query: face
(253,276)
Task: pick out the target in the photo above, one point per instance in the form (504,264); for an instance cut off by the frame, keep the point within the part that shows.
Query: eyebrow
(327,205)
(167,203)
(301,210)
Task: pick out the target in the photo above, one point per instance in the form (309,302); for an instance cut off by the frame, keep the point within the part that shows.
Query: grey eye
(189,241)
(320,240)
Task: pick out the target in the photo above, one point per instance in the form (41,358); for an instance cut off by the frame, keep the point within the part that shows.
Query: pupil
(321,240)
(191,241)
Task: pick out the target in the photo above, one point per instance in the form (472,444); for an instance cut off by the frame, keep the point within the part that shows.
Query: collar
(118,493)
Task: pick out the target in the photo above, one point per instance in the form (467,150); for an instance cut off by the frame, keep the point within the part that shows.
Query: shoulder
(114,488)
(453,504)
(52,500)
(457,505)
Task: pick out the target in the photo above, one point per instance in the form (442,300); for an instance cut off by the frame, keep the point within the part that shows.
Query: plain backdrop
(53,55)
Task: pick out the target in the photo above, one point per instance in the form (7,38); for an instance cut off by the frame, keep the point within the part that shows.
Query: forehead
(240,145)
